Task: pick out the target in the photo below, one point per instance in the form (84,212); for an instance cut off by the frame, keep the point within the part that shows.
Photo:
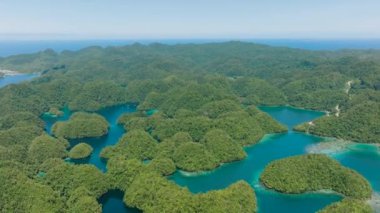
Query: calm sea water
(15,79)
(8,48)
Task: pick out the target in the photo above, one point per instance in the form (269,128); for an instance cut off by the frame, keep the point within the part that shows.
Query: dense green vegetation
(206,97)
(197,135)
(149,191)
(45,147)
(191,140)
(81,150)
(348,205)
(81,125)
(314,172)
(22,194)
(360,123)
(180,76)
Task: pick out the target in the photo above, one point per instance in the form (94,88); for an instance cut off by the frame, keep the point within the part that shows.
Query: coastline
(4,73)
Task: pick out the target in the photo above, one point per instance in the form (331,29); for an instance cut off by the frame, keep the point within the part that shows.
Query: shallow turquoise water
(114,133)
(15,79)
(270,148)
(365,159)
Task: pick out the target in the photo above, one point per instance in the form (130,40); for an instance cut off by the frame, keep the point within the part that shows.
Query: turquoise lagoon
(363,158)
(112,201)
(271,147)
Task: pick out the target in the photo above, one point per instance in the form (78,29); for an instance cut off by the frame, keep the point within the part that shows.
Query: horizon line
(192,38)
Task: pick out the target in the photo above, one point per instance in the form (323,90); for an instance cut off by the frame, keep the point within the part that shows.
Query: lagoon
(363,158)
(271,147)
(112,201)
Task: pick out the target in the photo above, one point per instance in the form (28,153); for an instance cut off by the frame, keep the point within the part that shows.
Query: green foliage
(191,97)
(19,136)
(221,145)
(318,100)
(153,193)
(21,194)
(197,89)
(81,150)
(348,205)
(81,200)
(216,108)
(135,144)
(45,147)
(257,91)
(13,153)
(164,166)
(20,119)
(239,197)
(97,95)
(181,137)
(321,91)
(138,120)
(65,178)
(241,127)
(194,157)
(122,172)
(314,172)
(31,62)
(81,125)
(267,123)
(359,124)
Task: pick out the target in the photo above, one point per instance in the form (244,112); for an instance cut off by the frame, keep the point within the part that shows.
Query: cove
(15,79)
(360,157)
(111,114)
(271,147)
(112,201)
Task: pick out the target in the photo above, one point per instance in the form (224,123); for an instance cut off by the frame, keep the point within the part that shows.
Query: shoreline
(9,73)
(293,107)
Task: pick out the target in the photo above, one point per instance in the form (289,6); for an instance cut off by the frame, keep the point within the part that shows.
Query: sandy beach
(8,72)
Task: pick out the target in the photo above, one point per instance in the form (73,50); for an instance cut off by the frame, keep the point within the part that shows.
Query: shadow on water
(112,202)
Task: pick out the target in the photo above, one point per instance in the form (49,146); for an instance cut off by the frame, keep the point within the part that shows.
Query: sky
(185,19)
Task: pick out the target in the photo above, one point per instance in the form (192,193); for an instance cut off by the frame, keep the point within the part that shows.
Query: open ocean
(8,48)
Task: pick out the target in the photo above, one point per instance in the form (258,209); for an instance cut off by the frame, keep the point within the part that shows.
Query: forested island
(205,99)
(81,125)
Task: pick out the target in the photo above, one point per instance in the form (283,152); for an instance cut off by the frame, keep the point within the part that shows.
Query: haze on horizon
(165,19)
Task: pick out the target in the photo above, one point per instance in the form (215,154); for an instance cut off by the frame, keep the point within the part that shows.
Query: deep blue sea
(8,48)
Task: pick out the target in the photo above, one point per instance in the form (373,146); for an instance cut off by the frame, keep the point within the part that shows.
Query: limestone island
(81,150)
(81,125)
(317,172)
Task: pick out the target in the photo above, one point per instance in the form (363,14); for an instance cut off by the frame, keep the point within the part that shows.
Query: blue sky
(158,19)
